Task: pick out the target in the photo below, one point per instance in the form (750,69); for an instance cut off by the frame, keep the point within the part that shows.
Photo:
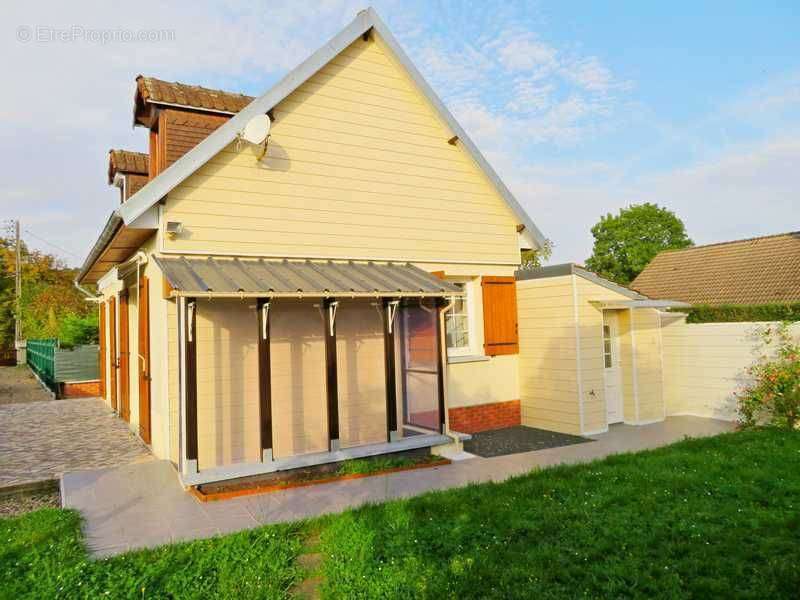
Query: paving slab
(143,505)
(42,440)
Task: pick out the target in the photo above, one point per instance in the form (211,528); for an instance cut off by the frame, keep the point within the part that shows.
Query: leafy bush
(773,396)
(75,330)
(736,313)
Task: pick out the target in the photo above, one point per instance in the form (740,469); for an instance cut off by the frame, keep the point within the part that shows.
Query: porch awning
(244,277)
(609,304)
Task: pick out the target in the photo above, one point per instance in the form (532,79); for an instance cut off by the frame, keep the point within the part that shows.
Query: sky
(582,108)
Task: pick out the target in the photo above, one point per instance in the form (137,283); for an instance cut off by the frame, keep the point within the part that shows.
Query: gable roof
(125,161)
(365,21)
(150,90)
(752,271)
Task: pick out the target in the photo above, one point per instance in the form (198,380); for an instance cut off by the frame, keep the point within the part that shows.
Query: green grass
(717,517)
(376,464)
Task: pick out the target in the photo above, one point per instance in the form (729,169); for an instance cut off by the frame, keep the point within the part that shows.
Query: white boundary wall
(704,365)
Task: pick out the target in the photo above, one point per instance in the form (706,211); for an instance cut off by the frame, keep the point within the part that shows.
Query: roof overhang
(366,20)
(633,304)
(225,277)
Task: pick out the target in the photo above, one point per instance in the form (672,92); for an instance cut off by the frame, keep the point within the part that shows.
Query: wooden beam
(332,386)
(190,341)
(440,364)
(264,380)
(390,369)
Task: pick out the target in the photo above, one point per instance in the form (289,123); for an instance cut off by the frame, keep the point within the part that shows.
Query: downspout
(90,297)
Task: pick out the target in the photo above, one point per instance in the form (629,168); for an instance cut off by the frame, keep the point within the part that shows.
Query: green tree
(533,259)
(48,296)
(625,243)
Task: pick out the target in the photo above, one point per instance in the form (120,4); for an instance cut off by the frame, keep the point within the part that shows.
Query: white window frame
(469,349)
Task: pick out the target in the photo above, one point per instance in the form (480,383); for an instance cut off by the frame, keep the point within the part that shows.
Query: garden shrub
(772,396)
(737,313)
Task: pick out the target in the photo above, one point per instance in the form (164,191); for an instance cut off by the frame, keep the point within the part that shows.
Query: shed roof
(573,269)
(222,276)
(753,271)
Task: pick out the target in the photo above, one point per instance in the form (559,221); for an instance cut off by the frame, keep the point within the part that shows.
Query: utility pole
(18,317)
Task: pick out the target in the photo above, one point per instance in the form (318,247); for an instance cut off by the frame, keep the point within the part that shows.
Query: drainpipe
(90,297)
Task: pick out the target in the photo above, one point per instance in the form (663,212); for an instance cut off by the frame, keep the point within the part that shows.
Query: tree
(533,259)
(624,244)
(48,296)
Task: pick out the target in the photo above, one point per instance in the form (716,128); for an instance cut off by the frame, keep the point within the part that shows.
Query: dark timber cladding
(264,376)
(190,338)
(332,386)
(388,351)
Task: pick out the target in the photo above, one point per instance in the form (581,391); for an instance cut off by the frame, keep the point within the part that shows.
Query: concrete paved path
(18,384)
(143,505)
(42,440)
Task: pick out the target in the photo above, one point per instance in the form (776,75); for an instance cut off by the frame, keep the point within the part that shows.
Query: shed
(590,351)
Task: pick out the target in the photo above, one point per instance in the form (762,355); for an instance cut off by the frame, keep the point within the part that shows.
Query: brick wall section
(81,389)
(472,419)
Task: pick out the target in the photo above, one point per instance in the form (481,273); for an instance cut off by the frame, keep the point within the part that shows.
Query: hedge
(735,313)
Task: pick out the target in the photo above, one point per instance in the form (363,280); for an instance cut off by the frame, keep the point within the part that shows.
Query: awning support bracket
(391,307)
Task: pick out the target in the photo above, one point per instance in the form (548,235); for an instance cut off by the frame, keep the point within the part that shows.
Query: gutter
(112,225)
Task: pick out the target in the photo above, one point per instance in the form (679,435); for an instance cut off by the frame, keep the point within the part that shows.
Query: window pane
(609,363)
(457,331)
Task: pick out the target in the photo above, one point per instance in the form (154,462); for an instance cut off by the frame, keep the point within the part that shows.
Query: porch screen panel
(297,361)
(227,383)
(420,365)
(361,377)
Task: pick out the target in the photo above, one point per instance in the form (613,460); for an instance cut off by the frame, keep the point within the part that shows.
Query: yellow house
(343,289)
(591,351)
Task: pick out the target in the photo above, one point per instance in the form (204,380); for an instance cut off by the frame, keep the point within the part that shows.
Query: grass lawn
(717,517)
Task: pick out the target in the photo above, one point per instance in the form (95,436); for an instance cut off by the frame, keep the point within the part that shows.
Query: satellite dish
(256,130)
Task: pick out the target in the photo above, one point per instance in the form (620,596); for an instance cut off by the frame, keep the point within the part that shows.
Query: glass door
(419,366)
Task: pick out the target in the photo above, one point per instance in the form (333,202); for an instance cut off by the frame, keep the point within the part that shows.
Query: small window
(457,323)
(608,357)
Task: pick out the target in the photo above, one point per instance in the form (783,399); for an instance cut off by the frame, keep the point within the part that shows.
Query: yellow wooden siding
(226,343)
(548,381)
(299,404)
(361,373)
(590,320)
(646,324)
(626,345)
(704,365)
(358,167)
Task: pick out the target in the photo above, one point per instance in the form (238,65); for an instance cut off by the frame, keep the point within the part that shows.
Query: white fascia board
(639,303)
(535,234)
(368,19)
(147,220)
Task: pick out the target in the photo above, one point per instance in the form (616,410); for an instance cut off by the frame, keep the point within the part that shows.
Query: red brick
(472,419)
(81,389)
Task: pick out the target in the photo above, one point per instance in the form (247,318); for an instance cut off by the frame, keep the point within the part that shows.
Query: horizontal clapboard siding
(358,166)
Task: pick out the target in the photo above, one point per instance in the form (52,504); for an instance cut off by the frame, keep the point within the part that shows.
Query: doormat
(517,439)
(267,484)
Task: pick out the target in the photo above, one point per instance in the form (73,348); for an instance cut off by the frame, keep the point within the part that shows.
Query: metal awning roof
(639,304)
(241,278)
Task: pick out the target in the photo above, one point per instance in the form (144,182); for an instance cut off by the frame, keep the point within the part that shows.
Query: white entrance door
(611,362)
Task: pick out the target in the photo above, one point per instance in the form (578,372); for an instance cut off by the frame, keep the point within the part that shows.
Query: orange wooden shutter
(144,358)
(102,334)
(500,316)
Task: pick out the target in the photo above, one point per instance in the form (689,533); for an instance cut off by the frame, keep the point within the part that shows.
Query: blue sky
(583,108)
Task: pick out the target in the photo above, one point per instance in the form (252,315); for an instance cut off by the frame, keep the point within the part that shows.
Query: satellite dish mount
(256,132)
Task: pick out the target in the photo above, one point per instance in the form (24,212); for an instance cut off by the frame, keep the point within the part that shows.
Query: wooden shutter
(144,358)
(112,350)
(500,316)
(102,334)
